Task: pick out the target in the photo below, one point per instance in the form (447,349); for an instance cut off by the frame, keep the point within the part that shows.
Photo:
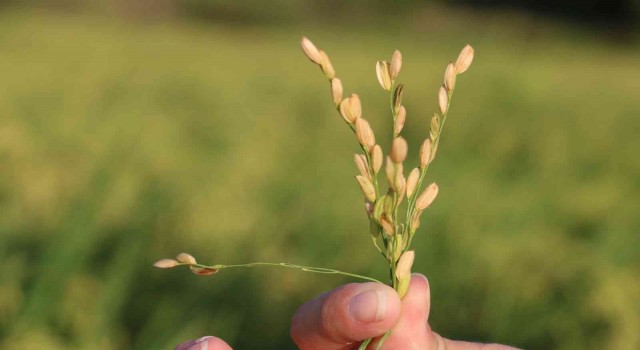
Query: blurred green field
(122,143)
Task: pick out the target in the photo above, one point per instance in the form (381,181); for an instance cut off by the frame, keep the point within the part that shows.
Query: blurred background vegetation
(132,131)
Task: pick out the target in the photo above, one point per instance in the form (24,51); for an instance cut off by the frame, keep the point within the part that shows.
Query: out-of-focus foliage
(617,16)
(122,143)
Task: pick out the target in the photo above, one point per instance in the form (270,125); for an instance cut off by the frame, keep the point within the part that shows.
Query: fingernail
(425,279)
(421,276)
(200,340)
(369,306)
(203,343)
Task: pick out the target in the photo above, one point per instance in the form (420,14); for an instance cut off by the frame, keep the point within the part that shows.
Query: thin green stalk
(392,263)
(393,111)
(383,339)
(364,344)
(374,177)
(375,242)
(393,276)
(423,172)
(394,116)
(299,267)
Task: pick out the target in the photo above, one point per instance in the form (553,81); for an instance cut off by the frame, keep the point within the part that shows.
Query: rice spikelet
(310,50)
(443,100)
(367,188)
(412,181)
(186,259)
(427,197)
(399,149)
(450,77)
(400,120)
(165,263)
(464,59)
(361,164)
(396,64)
(364,133)
(336,90)
(425,153)
(384,77)
(327,67)
(376,158)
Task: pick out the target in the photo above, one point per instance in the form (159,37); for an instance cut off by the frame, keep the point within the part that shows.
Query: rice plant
(393,221)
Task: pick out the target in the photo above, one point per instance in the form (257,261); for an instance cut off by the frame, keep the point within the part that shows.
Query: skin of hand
(343,317)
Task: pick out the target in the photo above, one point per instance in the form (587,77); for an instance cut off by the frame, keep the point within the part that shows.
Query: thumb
(204,343)
(412,330)
(345,316)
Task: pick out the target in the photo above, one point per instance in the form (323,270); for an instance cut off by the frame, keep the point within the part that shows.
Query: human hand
(344,317)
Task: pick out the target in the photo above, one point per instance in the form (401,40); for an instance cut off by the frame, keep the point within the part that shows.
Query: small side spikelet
(186,259)
(165,263)
(203,271)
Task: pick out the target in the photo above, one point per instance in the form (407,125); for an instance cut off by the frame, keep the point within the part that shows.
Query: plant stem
(423,172)
(299,267)
(364,344)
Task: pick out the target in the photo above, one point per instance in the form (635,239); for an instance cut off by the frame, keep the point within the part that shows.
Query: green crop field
(125,142)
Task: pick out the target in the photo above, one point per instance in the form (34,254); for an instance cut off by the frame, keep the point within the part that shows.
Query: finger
(204,343)
(411,331)
(345,316)
(463,345)
(186,345)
